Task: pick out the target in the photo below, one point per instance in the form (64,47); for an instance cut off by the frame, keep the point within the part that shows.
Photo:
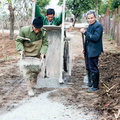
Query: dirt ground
(106,100)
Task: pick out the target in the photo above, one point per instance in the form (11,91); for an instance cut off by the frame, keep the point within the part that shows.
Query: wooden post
(107,22)
(62,44)
(118,26)
(114,24)
(33,9)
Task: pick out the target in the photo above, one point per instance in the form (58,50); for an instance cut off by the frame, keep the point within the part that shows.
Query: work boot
(85,80)
(89,84)
(95,78)
(31,93)
(61,81)
(35,86)
(29,88)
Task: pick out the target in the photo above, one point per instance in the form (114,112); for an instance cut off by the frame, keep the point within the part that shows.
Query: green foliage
(78,7)
(109,4)
(42,4)
(114,4)
(103,7)
(9,1)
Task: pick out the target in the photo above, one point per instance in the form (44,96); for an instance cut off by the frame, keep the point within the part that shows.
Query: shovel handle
(83,41)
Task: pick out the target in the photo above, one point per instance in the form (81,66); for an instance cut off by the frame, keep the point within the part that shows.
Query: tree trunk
(74,21)
(107,22)
(11,21)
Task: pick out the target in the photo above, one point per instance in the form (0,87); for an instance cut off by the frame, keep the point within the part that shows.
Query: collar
(50,22)
(31,29)
(93,23)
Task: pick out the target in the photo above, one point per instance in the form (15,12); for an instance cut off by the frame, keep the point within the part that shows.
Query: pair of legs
(31,80)
(93,73)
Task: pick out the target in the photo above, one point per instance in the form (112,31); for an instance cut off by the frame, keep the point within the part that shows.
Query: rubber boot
(89,84)
(29,88)
(95,78)
(85,80)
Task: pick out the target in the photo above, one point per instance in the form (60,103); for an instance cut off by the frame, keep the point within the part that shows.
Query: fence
(111,26)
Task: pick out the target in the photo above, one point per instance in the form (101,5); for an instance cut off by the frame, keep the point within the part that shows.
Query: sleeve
(19,41)
(59,19)
(44,43)
(95,36)
(38,12)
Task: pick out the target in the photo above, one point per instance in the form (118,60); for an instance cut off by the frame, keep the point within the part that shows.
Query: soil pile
(106,100)
(109,102)
(7,47)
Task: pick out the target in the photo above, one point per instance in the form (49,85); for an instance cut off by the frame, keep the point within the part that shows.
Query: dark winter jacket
(93,39)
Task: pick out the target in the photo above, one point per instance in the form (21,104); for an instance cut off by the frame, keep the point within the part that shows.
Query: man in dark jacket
(93,49)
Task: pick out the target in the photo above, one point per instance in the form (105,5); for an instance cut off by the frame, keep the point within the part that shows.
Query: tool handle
(83,41)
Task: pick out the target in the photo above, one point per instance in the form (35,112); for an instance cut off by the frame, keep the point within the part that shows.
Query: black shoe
(92,89)
(94,76)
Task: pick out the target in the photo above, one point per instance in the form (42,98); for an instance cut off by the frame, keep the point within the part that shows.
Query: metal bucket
(31,64)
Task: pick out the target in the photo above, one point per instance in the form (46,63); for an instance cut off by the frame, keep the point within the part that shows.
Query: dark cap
(38,22)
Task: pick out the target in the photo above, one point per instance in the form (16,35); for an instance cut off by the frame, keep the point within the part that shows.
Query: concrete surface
(42,108)
(50,83)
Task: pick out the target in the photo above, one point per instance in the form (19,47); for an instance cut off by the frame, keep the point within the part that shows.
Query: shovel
(86,77)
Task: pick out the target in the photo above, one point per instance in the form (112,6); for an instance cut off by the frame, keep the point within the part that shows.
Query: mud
(106,100)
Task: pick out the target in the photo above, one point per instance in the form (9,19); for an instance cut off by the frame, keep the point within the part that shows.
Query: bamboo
(110,88)
(105,85)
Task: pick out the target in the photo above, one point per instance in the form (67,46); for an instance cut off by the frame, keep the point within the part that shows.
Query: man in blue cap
(32,42)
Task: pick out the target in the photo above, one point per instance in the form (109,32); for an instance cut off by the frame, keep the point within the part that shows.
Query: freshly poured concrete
(42,108)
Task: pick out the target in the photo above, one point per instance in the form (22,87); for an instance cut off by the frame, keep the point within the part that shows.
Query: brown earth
(106,100)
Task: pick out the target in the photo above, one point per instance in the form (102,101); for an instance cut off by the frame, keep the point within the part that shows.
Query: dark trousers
(92,64)
(92,67)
